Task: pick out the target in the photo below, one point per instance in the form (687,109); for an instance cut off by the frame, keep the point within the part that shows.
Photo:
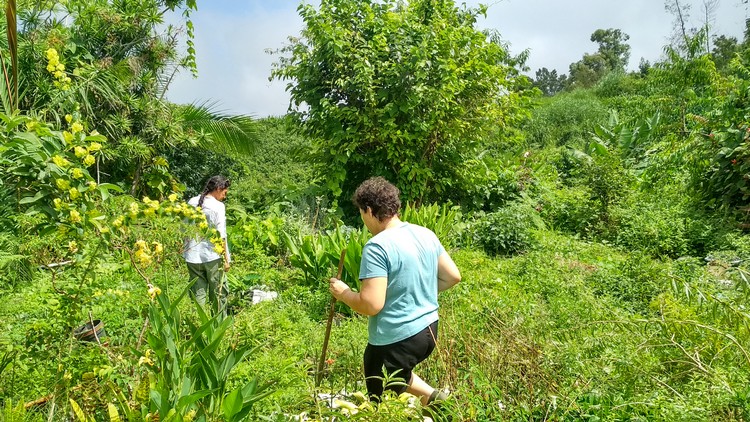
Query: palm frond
(220,132)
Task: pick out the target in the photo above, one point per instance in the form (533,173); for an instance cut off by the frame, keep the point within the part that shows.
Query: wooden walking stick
(322,361)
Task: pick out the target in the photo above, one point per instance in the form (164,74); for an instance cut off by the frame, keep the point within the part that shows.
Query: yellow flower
(58,203)
(73,246)
(58,74)
(133,209)
(50,67)
(62,184)
(92,184)
(89,160)
(95,146)
(203,225)
(74,194)
(218,245)
(76,127)
(68,118)
(158,248)
(77,173)
(189,416)
(153,291)
(172,197)
(142,257)
(141,244)
(52,54)
(117,222)
(60,66)
(68,137)
(60,161)
(146,359)
(80,151)
(75,216)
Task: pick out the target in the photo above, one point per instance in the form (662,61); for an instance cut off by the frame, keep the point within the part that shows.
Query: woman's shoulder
(213,203)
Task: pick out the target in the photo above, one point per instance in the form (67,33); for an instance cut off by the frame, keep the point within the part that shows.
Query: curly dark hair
(380,195)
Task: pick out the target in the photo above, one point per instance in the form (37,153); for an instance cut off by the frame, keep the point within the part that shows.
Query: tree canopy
(402,90)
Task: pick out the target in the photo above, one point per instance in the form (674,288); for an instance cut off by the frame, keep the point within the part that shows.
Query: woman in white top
(203,262)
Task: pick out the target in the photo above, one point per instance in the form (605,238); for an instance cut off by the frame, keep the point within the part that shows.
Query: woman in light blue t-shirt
(403,268)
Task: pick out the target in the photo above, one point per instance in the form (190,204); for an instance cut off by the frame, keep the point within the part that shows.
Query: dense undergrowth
(601,234)
(569,330)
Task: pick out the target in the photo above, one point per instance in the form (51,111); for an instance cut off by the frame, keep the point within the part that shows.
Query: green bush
(634,281)
(486,184)
(565,119)
(507,231)
(619,84)
(445,221)
(657,229)
(570,209)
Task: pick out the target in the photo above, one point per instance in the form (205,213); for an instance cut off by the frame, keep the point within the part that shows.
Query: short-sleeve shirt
(408,256)
(201,251)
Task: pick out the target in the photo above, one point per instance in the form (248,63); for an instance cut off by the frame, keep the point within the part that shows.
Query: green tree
(110,64)
(612,55)
(587,71)
(549,82)
(724,51)
(402,90)
(612,47)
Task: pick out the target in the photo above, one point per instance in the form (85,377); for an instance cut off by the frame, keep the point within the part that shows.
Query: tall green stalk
(11,82)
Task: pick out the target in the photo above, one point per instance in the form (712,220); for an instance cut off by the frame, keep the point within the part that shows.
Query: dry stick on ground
(321,362)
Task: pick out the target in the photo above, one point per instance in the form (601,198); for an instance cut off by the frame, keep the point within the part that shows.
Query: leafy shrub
(263,233)
(619,84)
(486,184)
(14,266)
(444,220)
(569,209)
(634,282)
(507,231)
(318,253)
(565,119)
(657,229)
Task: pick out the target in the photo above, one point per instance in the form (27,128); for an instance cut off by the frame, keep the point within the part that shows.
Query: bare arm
(370,299)
(448,274)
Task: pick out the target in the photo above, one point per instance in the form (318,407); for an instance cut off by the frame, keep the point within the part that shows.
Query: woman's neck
(390,223)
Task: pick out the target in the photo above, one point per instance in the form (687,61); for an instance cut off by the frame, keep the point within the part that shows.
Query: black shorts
(398,359)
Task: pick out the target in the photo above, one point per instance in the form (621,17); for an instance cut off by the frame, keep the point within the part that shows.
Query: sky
(233,37)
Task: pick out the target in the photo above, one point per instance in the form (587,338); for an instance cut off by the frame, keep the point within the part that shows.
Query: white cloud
(232,37)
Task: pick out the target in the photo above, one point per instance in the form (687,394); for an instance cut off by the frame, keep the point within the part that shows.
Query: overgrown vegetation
(601,232)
